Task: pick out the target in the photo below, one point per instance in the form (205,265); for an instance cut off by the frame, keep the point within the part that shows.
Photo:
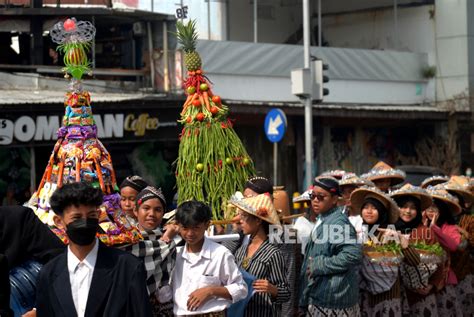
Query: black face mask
(82,231)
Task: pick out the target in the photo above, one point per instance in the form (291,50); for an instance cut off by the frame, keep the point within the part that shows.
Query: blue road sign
(275,125)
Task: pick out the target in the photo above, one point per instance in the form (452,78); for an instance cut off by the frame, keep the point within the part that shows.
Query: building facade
(400,71)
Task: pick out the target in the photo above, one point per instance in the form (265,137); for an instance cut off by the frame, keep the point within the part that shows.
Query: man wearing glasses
(329,276)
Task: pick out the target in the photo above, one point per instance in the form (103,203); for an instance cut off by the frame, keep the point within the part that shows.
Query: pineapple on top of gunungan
(187,38)
(212,163)
(197,88)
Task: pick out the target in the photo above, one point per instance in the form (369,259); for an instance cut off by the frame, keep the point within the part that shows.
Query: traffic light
(319,79)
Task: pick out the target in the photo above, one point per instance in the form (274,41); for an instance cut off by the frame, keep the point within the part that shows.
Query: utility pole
(308,106)
(255,21)
(320,33)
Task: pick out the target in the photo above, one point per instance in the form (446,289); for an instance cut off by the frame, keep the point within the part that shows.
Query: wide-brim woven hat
(337,174)
(439,192)
(408,190)
(351,179)
(304,197)
(260,206)
(461,186)
(434,180)
(360,194)
(382,170)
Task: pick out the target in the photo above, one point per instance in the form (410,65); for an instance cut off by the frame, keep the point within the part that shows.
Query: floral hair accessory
(262,212)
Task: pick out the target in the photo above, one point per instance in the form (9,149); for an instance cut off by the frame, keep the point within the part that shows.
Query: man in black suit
(89,279)
(5,310)
(23,237)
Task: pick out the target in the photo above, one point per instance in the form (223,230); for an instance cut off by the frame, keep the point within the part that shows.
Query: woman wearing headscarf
(149,209)
(348,184)
(441,221)
(462,261)
(420,282)
(380,282)
(129,189)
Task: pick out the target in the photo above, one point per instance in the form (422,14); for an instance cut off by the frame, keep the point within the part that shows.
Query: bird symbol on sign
(273,125)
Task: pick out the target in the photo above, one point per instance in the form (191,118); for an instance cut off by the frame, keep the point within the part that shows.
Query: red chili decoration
(195,79)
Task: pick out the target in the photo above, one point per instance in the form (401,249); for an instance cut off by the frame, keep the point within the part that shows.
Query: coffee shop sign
(43,128)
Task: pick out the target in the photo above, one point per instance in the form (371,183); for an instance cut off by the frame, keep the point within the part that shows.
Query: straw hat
(338,174)
(414,191)
(260,206)
(434,180)
(351,179)
(438,192)
(382,170)
(360,194)
(460,185)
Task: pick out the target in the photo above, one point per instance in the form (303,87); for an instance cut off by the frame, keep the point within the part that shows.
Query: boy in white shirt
(206,279)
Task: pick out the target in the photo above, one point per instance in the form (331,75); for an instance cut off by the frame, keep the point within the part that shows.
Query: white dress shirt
(80,276)
(304,228)
(214,265)
(357,222)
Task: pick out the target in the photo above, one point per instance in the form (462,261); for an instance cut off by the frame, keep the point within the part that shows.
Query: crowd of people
(368,245)
(385,216)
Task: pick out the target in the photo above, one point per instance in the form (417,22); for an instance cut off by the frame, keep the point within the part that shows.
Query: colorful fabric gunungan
(78,155)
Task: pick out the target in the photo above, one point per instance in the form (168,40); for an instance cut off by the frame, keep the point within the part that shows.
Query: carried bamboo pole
(230,221)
